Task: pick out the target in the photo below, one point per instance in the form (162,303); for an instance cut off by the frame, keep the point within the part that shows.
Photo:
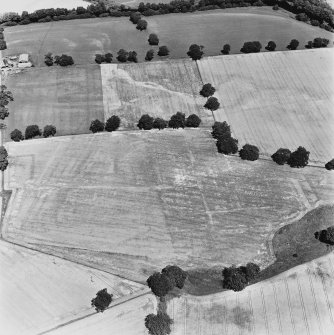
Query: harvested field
(68,98)
(131,203)
(299,301)
(127,319)
(277,100)
(39,292)
(159,89)
(82,39)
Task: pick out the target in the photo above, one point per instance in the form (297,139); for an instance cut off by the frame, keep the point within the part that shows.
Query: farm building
(24,58)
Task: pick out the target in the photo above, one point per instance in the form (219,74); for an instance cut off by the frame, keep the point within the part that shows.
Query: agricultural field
(127,318)
(82,39)
(40,292)
(132,202)
(159,89)
(298,301)
(277,100)
(19,6)
(68,98)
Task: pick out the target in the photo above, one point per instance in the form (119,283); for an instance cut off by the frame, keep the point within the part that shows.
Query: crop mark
(277,309)
(289,304)
(303,306)
(264,311)
(314,299)
(322,277)
(252,312)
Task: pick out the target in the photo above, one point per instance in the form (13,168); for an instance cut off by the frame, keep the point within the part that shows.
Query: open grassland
(299,301)
(68,98)
(82,39)
(131,203)
(277,100)
(39,292)
(159,89)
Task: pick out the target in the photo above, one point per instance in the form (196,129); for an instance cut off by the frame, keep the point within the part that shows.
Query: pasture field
(39,292)
(159,89)
(132,202)
(68,98)
(277,100)
(299,301)
(82,39)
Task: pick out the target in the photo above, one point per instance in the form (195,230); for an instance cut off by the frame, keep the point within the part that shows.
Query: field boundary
(116,303)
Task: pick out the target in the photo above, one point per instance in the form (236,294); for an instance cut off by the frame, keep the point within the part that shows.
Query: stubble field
(131,203)
(68,98)
(159,89)
(82,39)
(39,292)
(277,100)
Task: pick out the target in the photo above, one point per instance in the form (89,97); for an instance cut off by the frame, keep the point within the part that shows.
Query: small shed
(24,58)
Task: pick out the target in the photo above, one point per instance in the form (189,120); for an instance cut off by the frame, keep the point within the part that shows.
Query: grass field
(67,98)
(277,100)
(84,38)
(132,202)
(159,89)
(39,292)
(299,301)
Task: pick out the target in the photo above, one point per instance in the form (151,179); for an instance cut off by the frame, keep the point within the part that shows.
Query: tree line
(316,12)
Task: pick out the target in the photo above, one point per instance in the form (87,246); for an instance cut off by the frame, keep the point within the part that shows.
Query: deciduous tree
(207,90)
(299,158)
(113,123)
(281,156)
(145,122)
(195,52)
(212,104)
(160,284)
(177,120)
(16,135)
(49,130)
(96,126)
(249,152)
(32,131)
(153,39)
(102,300)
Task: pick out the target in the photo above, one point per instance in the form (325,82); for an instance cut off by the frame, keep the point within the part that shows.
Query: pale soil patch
(299,301)
(39,292)
(131,203)
(159,89)
(277,100)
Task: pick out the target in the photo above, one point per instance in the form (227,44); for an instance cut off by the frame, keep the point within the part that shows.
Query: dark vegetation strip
(293,245)
(315,12)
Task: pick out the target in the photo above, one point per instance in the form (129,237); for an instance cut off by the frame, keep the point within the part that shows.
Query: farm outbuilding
(24,58)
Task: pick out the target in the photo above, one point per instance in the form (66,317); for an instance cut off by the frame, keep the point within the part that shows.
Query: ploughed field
(40,292)
(82,39)
(132,202)
(277,100)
